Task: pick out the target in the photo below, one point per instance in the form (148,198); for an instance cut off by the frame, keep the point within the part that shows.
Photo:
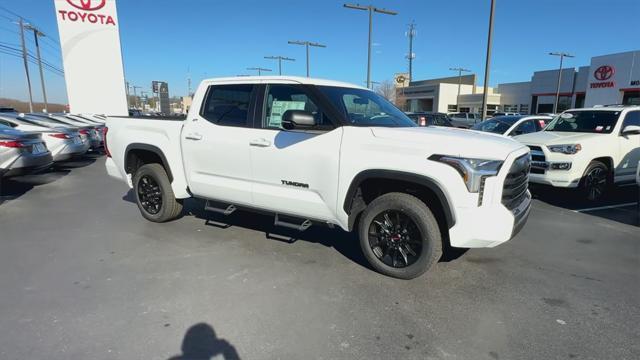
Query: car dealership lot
(83,275)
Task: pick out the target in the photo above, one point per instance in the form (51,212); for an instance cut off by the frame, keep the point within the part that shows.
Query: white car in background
(513,125)
(589,149)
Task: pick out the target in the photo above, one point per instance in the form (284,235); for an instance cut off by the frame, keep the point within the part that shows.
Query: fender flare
(154,149)
(402,176)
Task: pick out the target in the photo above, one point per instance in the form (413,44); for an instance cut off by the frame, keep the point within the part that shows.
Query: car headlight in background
(568,149)
(472,171)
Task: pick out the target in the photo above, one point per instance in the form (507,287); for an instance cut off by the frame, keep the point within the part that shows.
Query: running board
(300,227)
(224,211)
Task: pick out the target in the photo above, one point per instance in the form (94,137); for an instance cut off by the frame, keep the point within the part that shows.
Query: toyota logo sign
(87,5)
(604,72)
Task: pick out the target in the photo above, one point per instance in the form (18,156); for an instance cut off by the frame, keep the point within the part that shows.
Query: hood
(556,138)
(452,141)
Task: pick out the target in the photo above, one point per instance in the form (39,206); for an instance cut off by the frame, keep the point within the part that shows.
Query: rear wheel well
(371,188)
(136,158)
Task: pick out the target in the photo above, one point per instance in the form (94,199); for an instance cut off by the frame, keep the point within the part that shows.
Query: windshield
(366,108)
(601,122)
(493,126)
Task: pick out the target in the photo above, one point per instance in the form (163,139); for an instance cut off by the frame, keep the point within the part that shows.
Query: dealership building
(609,79)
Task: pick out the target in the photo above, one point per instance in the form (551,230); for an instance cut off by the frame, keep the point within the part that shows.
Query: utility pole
(128,88)
(459,70)
(259,69)
(36,35)
(189,81)
(371,10)
(411,33)
(279,58)
(307,44)
(562,55)
(26,64)
(135,95)
(488,63)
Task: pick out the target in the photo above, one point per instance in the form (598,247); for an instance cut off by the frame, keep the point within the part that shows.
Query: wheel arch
(355,202)
(138,154)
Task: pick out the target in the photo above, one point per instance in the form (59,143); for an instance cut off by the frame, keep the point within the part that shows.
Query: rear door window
(228,105)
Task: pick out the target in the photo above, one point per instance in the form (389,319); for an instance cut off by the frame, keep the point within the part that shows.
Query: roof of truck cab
(279,80)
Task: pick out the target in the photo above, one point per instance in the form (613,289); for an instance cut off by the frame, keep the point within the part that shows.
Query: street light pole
(488,63)
(135,95)
(307,44)
(459,70)
(562,56)
(279,58)
(26,64)
(371,9)
(259,69)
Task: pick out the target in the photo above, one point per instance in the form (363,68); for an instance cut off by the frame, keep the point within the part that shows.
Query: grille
(538,165)
(517,182)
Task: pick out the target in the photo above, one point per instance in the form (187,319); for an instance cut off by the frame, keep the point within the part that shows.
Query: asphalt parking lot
(84,276)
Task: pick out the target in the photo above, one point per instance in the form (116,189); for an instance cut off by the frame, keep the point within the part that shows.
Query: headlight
(473,171)
(569,149)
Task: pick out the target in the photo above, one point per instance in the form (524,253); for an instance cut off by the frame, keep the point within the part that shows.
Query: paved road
(83,276)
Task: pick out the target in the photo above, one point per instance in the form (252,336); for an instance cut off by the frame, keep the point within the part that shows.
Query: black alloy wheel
(595,181)
(395,239)
(150,195)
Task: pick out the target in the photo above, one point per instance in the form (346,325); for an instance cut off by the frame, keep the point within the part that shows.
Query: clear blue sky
(161,39)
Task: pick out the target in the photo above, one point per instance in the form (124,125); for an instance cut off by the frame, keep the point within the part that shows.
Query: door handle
(193,136)
(260,142)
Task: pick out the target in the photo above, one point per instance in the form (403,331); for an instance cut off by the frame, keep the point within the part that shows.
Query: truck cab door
(215,144)
(295,172)
(629,150)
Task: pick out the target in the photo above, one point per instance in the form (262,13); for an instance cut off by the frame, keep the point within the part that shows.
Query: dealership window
(511,108)
(579,100)
(491,109)
(631,98)
(524,109)
(564,103)
(452,108)
(465,109)
(228,105)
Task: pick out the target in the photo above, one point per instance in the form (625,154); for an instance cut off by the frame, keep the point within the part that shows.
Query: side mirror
(631,130)
(298,119)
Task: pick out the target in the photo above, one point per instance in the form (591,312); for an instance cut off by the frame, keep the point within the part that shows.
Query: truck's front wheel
(154,195)
(399,236)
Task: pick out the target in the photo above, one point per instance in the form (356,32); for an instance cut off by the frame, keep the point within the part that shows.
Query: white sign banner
(92,57)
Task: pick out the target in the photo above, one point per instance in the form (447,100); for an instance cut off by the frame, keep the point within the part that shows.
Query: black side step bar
(209,206)
(300,227)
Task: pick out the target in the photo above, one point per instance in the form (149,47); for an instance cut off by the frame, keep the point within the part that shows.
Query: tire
(154,176)
(423,237)
(595,181)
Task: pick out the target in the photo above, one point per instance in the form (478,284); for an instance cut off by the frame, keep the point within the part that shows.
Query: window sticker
(599,128)
(279,107)
(566,115)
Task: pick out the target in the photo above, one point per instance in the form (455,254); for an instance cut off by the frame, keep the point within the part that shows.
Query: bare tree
(387,90)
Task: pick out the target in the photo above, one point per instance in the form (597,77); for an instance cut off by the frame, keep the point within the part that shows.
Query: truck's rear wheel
(154,195)
(595,181)
(399,236)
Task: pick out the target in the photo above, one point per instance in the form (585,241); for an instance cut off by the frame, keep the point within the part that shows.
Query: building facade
(609,79)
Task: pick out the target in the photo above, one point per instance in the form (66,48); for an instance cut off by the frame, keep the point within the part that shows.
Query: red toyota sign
(604,72)
(87,14)
(87,5)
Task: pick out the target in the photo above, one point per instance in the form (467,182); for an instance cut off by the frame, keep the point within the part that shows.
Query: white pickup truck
(313,151)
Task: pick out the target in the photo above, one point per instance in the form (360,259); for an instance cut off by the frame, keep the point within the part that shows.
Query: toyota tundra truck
(310,152)
(587,149)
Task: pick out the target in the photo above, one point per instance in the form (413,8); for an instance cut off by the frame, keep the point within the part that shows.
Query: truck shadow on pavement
(610,207)
(346,243)
(201,343)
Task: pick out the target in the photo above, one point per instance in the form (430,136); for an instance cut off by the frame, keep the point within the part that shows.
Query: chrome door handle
(260,142)
(193,136)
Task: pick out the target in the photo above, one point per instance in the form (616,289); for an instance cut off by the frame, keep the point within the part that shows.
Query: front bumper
(488,226)
(557,178)
(501,213)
